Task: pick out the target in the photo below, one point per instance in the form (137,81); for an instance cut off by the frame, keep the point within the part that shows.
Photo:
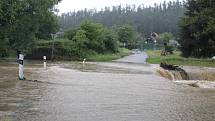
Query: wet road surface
(70,91)
(135,58)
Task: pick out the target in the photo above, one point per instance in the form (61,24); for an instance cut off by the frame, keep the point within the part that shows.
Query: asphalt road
(139,58)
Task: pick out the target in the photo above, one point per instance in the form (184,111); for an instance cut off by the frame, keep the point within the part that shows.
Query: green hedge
(64,50)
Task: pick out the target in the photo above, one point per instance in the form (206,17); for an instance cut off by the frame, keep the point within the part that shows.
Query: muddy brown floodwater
(70,91)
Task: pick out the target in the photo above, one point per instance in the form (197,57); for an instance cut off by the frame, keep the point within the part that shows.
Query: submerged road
(139,58)
(110,91)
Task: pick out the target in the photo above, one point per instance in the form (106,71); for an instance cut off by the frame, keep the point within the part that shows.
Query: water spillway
(172,72)
(203,78)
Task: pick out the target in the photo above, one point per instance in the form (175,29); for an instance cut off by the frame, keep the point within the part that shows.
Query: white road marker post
(84,61)
(21,67)
(83,64)
(44,62)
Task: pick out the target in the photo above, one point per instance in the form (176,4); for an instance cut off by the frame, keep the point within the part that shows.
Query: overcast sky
(71,5)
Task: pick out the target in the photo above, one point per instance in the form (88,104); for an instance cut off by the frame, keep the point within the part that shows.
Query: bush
(87,40)
(3,48)
(70,34)
(94,37)
(63,49)
(169,49)
(165,37)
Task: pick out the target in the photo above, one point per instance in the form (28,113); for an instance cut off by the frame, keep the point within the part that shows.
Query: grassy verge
(108,57)
(176,59)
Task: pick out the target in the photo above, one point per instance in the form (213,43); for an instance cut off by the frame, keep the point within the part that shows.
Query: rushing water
(114,91)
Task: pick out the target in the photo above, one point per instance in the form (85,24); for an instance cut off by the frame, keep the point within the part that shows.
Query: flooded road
(70,91)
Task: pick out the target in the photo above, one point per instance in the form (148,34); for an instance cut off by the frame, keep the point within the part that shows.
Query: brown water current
(71,91)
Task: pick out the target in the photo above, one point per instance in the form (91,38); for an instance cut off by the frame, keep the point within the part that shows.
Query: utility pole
(53,40)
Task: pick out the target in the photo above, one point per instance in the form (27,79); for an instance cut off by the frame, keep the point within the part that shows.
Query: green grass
(108,57)
(176,59)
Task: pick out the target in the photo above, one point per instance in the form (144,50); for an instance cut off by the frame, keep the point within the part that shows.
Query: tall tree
(21,20)
(7,17)
(91,37)
(197,29)
(126,34)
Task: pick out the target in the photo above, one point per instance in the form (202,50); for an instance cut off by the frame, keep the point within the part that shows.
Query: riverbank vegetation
(176,59)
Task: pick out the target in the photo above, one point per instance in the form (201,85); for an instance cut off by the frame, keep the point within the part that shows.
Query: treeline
(160,18)
(22,22)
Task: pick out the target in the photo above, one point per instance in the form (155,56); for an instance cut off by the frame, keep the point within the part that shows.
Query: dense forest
(160,18)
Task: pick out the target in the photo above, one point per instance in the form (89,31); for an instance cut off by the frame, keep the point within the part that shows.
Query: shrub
(169,49)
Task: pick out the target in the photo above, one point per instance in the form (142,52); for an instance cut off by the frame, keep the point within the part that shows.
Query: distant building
(154,37)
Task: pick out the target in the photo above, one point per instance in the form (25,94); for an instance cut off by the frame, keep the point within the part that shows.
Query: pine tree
(198,28)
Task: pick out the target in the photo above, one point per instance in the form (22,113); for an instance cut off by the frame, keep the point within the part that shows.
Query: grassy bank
(108,57)
(176,59)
